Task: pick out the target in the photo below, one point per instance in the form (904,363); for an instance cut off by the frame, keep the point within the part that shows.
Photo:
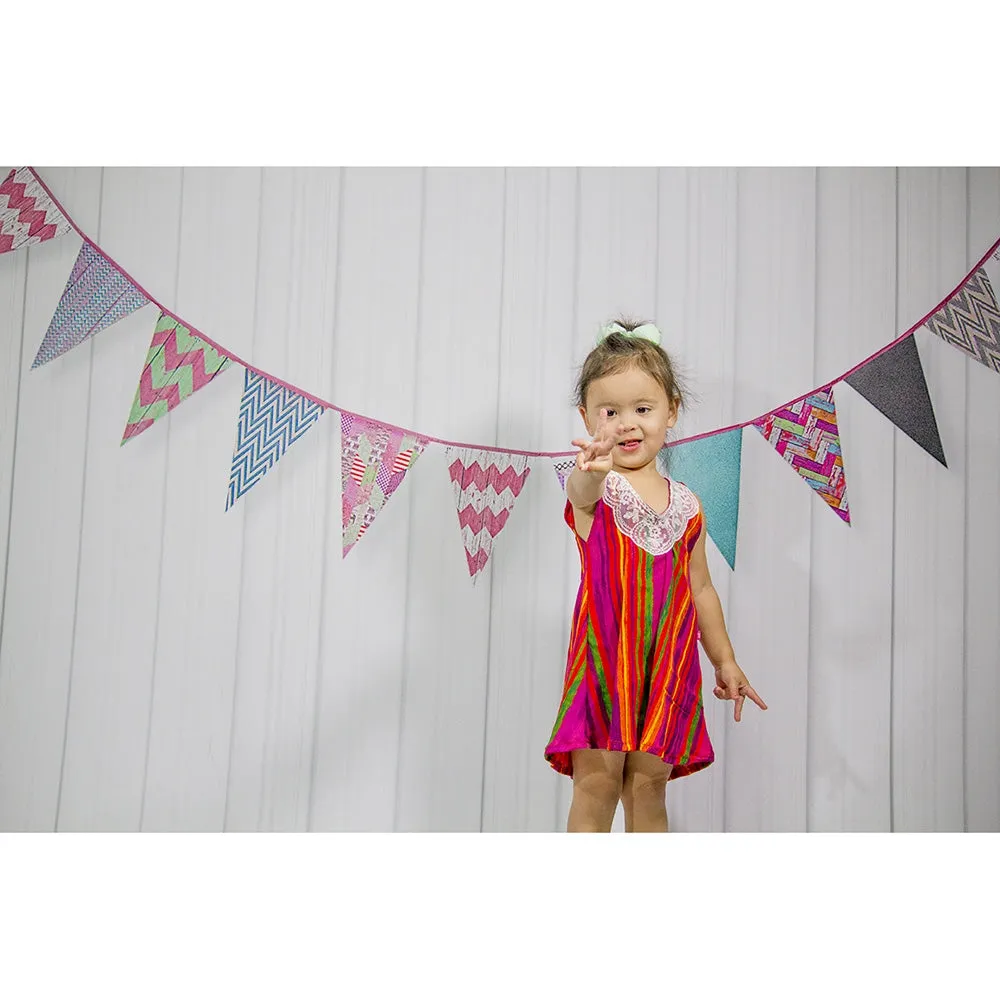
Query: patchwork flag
(374,459)
(805,435)
(711,467)
(178,364)
(563,467)
(486,484)
(272,416)
(96,296)
(970,320)
(894,383)
(27,214)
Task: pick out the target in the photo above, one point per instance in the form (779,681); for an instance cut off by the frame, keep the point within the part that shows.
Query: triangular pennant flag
(805,435)
(486,484)
(374,459)
(178,364)
(96,296)
(563,467)
(970,320)
(711,467)
(894,383)
(272,416)
(27,214)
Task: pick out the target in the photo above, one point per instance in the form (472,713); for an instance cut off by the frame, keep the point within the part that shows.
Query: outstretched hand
(595,455)
(731,684)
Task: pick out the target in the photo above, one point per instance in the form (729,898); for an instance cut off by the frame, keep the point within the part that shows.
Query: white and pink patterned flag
(486,484)
(27,214)
(374,460)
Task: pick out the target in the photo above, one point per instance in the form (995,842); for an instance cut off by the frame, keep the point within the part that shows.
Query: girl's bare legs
(644,793)
(597,787)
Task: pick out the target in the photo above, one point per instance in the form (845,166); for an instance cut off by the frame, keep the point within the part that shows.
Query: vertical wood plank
(529,623)
(697,314)
(929,613)
(44,542)
(982,544)
(197,626)
(121,526)
(13,280)
(850,633)
(363,647)
(281,610)
(440,775)
(776,277)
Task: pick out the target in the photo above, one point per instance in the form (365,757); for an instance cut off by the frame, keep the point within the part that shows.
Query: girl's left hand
(731,684)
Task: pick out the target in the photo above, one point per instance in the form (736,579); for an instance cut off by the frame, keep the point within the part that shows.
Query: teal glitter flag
(711,467)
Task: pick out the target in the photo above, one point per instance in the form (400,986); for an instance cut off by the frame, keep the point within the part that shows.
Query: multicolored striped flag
(96,296)
(805,435)
(486,484)
(374,460)
(27,214)
(177,365)
(272,417)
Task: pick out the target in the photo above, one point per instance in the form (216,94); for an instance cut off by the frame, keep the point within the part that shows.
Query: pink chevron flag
(27,214)
(177,365)
(805,435)
(486,484)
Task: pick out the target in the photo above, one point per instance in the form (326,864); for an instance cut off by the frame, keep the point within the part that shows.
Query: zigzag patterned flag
(805,435)
(96,296)
(970,320)
(374,459)
(486,484)
(27,213)
(272,417)
(563,467)
(178,364)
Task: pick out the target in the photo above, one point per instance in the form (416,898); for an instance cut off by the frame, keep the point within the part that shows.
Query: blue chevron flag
(272,416)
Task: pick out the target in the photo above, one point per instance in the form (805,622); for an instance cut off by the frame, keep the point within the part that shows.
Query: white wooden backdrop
(168,666)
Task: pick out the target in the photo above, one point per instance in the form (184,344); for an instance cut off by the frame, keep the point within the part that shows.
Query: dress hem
(678,770)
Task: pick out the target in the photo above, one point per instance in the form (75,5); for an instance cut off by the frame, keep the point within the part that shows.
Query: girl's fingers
(755,698)
(738,711)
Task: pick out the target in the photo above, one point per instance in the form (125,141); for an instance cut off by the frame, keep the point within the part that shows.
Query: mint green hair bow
(647,331)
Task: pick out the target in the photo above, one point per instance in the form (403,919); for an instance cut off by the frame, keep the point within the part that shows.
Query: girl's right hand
(595,456)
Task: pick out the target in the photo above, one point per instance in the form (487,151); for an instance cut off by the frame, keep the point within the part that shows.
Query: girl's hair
(617,352)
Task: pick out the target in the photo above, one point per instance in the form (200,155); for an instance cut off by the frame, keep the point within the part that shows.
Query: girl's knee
(599,785)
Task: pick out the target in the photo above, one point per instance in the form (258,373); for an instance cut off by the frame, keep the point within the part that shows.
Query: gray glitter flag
(894,383)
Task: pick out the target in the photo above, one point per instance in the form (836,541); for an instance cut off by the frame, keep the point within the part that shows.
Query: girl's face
(636,399)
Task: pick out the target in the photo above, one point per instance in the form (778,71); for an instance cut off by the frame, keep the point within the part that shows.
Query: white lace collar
(656,533)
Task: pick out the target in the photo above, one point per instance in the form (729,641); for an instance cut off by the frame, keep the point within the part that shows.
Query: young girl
(631,715)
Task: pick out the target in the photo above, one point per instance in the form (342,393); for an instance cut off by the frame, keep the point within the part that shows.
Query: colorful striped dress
(633,675)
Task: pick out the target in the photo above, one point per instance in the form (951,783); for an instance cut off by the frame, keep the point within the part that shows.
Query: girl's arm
(731,683)
(584,489)
(714,637)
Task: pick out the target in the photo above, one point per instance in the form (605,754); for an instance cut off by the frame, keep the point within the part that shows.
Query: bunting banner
(486,480)
(27,213)
(563,467)
(970,320)
(177,365)
(97,295)
(710,466)
(805,435)
(486,485)
(894,384)
(272,417)
(374,459)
